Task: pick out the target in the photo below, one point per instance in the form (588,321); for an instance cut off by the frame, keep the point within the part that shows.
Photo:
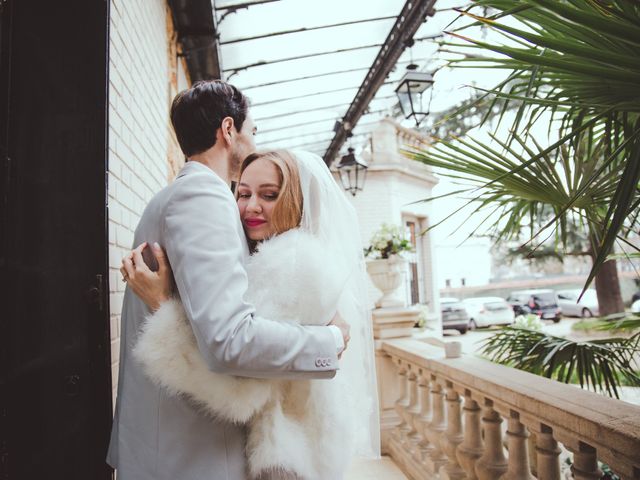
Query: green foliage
(618,323)
(626,323)
(578,61)
(599,365)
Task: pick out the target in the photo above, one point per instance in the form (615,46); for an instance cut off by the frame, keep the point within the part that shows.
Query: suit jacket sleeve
(204,247)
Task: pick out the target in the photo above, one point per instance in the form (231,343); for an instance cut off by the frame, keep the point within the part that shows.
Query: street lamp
(353,172)
(410,92)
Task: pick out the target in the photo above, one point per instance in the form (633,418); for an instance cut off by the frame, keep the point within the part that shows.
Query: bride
(306,265)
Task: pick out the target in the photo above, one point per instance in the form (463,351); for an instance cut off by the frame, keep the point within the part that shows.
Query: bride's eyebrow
(273,185)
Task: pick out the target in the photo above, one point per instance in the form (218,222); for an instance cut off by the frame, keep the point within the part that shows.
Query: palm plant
(599,365)
(562,182)
(578,62)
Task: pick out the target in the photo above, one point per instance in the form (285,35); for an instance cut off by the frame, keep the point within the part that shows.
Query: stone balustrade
(466,418)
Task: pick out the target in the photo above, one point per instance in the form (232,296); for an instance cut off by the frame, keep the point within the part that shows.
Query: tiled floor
(382,469)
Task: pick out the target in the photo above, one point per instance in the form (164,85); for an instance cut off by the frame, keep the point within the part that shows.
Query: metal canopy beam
(324,74)
(328,119)
(307,144)
(312,94)
(307,77)
(196,27)
(298,57)
(311,134)
(312,109)
(305,29)
(238,6)
(411,17)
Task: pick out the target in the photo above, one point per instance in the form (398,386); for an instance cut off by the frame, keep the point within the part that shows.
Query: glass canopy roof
(301,62)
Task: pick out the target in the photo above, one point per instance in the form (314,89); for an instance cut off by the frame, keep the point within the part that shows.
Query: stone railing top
(576,416)
(408,135)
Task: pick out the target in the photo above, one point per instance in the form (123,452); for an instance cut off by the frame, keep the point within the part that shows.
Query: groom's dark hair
(197,113)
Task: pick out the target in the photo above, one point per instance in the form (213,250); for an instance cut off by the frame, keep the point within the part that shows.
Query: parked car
(454,314)
(487,311)
(586,307)
(541,302)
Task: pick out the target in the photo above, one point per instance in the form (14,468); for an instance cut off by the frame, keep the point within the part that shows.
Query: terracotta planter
(387,275)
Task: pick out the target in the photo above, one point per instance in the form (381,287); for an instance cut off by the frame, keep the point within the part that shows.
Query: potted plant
(386,265)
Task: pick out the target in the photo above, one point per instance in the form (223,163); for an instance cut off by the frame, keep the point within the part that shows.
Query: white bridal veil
(328,215)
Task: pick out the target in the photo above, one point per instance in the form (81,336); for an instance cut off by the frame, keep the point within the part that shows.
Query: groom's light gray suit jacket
(156,436)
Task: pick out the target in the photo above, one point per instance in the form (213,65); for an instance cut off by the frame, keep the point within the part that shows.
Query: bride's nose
(254,204)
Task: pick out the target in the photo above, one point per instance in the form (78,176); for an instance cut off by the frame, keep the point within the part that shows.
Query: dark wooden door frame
(54,57)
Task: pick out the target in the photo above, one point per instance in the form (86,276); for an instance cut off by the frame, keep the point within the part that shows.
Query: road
(471,341)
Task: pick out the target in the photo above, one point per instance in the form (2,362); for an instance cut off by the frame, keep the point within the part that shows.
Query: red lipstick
(254,222)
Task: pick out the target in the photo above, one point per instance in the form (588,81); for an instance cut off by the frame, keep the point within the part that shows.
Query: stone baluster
(453,436)
(493,463)
(517,435)
(412,412)
(531,448)
(424,419)
(585,463)
(436,428)
(470,450)
(402,403)
(547,455)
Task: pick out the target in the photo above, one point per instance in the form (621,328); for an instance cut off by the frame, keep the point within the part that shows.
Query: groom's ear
(228,130)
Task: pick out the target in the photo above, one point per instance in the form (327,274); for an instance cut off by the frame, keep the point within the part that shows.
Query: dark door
(55,381)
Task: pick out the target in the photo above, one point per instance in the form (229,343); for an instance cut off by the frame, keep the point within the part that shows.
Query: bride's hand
(152,288)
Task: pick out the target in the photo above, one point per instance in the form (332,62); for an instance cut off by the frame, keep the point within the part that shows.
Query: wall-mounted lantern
(353,172)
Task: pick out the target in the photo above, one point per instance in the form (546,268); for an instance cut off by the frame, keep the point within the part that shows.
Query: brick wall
(144,74)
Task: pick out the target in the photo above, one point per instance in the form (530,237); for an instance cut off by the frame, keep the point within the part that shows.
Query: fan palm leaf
(599,365)
(579,60)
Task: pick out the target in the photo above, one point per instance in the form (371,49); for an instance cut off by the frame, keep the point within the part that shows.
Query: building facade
(391,194)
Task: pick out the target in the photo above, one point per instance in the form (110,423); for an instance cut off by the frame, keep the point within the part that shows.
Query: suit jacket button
(318,362)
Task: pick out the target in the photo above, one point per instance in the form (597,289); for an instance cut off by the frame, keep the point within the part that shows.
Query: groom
(157,436)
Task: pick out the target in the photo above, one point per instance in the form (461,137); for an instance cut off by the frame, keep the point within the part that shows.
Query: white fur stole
(294,426)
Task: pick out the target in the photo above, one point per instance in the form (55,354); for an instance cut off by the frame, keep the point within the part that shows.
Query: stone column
(400,432)
(585,463)
(412,412)
(436,428)
(493,463)
(517,435)
(424,419)
(453,436)
(470,450)
(547,455)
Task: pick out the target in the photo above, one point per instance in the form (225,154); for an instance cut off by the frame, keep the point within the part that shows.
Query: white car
(587,306)
(487,311)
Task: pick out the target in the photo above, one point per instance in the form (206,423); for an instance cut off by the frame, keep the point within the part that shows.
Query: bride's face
(258,191)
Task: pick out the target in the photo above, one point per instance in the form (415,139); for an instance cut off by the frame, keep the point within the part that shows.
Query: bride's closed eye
(270,195)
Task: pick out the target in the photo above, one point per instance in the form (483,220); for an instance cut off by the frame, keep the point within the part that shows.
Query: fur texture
(168,353)
(297,428)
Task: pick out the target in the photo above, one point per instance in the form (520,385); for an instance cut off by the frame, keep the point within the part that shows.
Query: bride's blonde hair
(287,211)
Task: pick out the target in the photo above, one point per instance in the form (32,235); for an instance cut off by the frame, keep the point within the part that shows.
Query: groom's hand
(344,329)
